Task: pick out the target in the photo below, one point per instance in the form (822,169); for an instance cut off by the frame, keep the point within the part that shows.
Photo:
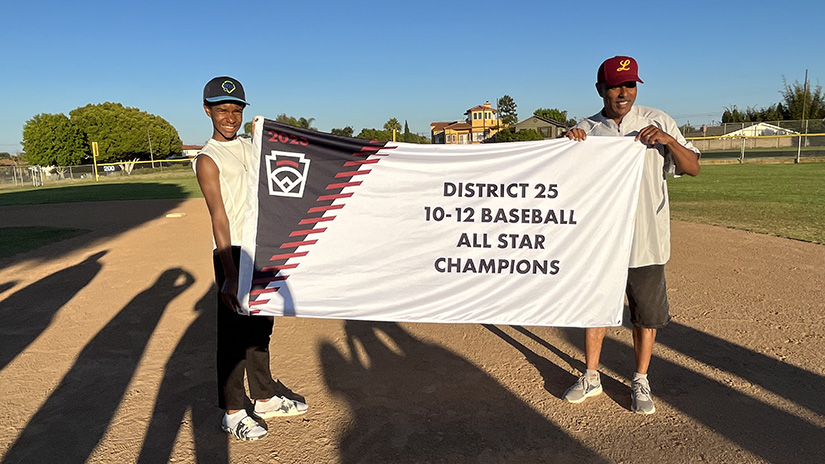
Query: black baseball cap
(224,89)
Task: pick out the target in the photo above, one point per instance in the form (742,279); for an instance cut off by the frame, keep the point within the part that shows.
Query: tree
(53,140)
(802,102)
(345,132)
(686,128)
(507,110)
(387,134)
(795,96)
(415,138)
(247,130)
(392,124)
(125,133)
(375,134)
(507,135)
(732,115)
(552,113)
(301,122)
(407,136)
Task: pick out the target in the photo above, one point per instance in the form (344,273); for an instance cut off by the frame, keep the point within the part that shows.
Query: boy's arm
(209,181)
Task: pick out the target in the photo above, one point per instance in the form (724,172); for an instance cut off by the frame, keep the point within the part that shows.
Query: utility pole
(804,104)
(151,156)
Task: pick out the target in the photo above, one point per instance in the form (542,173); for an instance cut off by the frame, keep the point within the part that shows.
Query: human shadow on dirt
(105,210)
(189,385)
(7,285)
(83,404)
(786,380)
(415,402)
(556,379)
(613,388)
(28,312)
(763,429)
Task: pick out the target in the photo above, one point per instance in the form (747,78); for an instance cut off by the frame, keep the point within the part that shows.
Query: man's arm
(209,181)
(687,161)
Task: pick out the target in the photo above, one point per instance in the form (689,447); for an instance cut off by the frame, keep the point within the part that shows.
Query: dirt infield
(107,356)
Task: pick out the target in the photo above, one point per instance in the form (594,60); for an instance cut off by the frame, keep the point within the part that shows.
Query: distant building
(191,151)
(740,129)
(741,136)
(760,129)
(548,128)
(480,124)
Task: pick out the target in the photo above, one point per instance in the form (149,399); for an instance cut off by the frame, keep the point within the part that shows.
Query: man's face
(618,99)
(226,120)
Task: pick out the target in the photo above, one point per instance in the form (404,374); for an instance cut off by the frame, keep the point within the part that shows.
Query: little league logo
(286,173)
(228,86)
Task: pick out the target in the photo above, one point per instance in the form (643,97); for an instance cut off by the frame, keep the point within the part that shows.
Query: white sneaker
(279,406)
(641,400)
(247,429)
(581,390)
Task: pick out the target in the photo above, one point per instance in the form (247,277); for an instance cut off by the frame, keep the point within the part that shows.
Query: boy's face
(226,120)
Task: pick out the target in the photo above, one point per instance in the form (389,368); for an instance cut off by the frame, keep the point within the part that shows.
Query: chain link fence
(36,176)
(780,141)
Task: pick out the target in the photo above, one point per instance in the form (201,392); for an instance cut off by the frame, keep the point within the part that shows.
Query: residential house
(548,128)
(480,124)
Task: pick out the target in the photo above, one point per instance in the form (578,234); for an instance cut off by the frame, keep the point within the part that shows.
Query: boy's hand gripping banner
(527,233)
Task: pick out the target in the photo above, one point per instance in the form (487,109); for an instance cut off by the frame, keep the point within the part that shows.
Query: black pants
(243,346)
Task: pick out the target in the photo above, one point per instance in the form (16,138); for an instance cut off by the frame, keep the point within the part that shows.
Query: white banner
(527,233)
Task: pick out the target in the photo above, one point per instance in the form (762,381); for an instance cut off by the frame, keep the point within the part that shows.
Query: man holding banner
(668,153)
(242,341)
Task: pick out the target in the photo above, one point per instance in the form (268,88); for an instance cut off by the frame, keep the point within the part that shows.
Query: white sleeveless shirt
(232,159)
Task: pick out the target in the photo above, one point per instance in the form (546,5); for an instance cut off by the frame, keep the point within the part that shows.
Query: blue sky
(360,63)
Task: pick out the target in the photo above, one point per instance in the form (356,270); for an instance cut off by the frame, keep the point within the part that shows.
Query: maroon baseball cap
(618,69)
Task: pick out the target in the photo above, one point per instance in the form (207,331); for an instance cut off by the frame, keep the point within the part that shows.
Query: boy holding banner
(668,153)
(242,341)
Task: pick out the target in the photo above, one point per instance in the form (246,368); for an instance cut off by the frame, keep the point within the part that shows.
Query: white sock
(592,376)
(232,420)
(637,377)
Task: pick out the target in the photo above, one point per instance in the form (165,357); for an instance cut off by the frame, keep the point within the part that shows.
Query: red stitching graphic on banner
(320,209)
(363,151)
(299,233)
(353,173)
(316,220)
(344,184)
(334,197)
(360,162)
(297,244)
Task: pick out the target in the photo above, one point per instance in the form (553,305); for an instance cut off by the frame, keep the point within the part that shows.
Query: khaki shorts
(647,296)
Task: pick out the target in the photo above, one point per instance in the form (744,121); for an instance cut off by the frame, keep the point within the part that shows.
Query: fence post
(742,152)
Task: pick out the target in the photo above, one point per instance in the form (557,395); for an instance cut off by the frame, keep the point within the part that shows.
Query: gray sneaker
(642,402)
(582,390)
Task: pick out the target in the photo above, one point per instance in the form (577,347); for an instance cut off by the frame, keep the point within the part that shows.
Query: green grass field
(146,187)
(787,200)
(15,240)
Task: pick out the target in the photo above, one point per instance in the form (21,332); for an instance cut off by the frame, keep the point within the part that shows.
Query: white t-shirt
(651,238)
(232,159)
